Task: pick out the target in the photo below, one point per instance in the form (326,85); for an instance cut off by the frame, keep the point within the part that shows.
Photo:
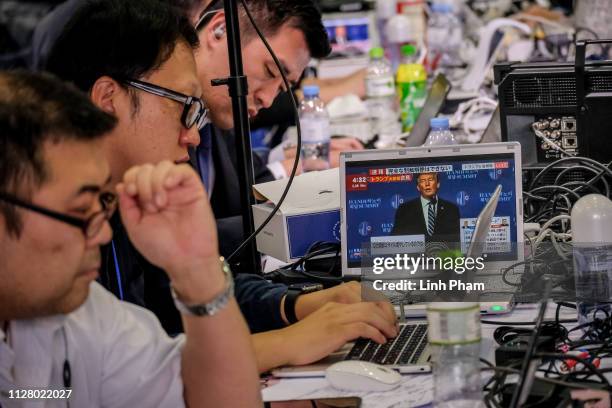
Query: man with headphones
(292,327)
(296,34)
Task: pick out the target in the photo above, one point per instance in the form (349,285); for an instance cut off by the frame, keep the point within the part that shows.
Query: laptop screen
(388,199)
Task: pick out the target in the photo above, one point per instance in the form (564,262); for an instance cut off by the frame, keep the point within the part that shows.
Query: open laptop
(408,352)
(433,104)
(376,184)
(488,195)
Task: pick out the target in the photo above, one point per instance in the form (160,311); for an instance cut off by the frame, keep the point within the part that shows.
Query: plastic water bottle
(411,82)
(408,26)
(314,122)
(444,36)
(454,337)
(440,133)
(380,94)
(385,9)
(592,246)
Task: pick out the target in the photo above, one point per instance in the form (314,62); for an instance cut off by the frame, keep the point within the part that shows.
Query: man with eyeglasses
(60,330)
(126,75)
(135,61)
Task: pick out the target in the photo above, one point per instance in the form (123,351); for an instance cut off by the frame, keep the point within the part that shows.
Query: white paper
(414,391)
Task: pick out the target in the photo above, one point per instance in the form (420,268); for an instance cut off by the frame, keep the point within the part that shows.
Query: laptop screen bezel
(430,152)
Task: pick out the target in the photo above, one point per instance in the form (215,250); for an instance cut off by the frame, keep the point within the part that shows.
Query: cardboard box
(310,213)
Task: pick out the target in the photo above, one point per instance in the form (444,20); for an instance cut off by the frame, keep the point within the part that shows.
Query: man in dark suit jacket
(428,215)
(225,194)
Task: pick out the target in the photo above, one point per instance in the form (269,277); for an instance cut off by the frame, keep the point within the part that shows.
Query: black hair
(36,108)
(119,38)
(271,15)
(188,7)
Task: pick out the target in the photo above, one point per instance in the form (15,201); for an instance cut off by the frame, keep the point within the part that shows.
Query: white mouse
(362,376)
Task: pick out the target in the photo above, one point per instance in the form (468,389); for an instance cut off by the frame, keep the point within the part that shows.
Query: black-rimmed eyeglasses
(90,226)
(194,111)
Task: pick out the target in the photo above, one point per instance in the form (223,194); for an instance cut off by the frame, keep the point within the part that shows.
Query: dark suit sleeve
(261,171)
(399,216)
(456,222)
(259,301)
(450,222)
(408,219)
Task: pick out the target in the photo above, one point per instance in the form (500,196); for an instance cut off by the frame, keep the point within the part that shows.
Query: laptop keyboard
(405,349)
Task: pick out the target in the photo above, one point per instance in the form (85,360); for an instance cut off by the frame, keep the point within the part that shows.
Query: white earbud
(219,31)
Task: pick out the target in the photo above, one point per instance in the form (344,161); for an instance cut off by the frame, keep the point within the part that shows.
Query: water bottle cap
(408,50)
(377,52)
(439,123)
(310,90)
(441,8)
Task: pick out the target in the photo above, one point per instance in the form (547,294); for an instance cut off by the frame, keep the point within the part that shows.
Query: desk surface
(416,389)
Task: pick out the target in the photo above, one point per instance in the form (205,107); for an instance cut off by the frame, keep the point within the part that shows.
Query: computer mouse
(362,376)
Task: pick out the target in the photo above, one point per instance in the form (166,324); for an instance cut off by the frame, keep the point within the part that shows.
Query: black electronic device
(513,351)
(557,110)
(542,395)
(528,368)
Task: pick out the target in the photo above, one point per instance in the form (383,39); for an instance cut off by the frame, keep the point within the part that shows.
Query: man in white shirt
(60,329)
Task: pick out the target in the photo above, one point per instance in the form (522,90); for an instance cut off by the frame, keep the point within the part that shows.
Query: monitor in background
(433,104)
(381,200)
(351,34)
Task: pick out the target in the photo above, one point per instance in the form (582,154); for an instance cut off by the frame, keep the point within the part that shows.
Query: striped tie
(431,217)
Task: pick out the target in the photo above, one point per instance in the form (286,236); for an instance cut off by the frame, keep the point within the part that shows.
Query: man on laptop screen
(429,215)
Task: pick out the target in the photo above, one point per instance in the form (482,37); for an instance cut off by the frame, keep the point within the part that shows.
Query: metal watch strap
(214,306)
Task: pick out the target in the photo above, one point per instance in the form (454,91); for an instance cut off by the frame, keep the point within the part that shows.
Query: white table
(416,389)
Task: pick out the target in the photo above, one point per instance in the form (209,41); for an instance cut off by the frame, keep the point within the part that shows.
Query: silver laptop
(407,353)
(378,186)
(493,170)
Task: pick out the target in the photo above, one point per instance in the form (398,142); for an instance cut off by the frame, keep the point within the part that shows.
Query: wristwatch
(293,292)
(214,306)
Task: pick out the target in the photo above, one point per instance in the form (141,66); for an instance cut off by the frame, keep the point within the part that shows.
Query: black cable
(299,136)
(487,362)
(316,249)
(541,202)
(552,187)
(582,361)
(586,168)
(564,160)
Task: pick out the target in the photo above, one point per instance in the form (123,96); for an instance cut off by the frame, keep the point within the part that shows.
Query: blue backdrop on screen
(371,210)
